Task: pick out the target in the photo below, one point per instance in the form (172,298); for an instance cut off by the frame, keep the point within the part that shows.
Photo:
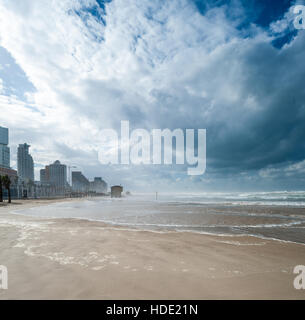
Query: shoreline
(71,258)
(31,203)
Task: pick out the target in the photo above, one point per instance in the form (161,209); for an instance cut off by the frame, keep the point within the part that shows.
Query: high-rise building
(79,182)
(98,185)
(56,174)
(4,135)
(4,149)
(25,163)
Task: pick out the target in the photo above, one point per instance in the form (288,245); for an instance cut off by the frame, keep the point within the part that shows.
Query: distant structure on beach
(54,174)
(25,163)
(4,149)
(116,191)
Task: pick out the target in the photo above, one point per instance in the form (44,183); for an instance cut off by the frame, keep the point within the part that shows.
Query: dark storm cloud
(275,132)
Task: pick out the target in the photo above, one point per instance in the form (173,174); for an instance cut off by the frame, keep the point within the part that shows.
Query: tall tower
(4,149)
(25,163)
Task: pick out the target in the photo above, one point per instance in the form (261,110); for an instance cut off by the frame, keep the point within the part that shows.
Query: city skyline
(52,175)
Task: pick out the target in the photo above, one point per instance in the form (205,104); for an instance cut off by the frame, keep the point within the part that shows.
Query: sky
(71,68)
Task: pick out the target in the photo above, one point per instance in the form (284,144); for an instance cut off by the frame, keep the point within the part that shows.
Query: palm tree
(1,194)
(7,184)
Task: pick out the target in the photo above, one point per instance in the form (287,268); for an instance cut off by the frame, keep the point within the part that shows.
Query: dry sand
(76,259)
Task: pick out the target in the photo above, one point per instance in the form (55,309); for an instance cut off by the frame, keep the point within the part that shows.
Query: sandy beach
(78,259)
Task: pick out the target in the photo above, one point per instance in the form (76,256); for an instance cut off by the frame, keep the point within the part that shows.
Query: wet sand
(77,259)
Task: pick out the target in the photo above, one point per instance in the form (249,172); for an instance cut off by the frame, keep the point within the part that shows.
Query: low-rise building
(12,174)
(116,191)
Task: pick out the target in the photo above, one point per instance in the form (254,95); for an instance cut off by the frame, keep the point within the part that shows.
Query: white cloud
(1,86)
(160,64)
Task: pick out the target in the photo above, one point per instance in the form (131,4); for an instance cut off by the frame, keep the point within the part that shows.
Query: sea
(267,215)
